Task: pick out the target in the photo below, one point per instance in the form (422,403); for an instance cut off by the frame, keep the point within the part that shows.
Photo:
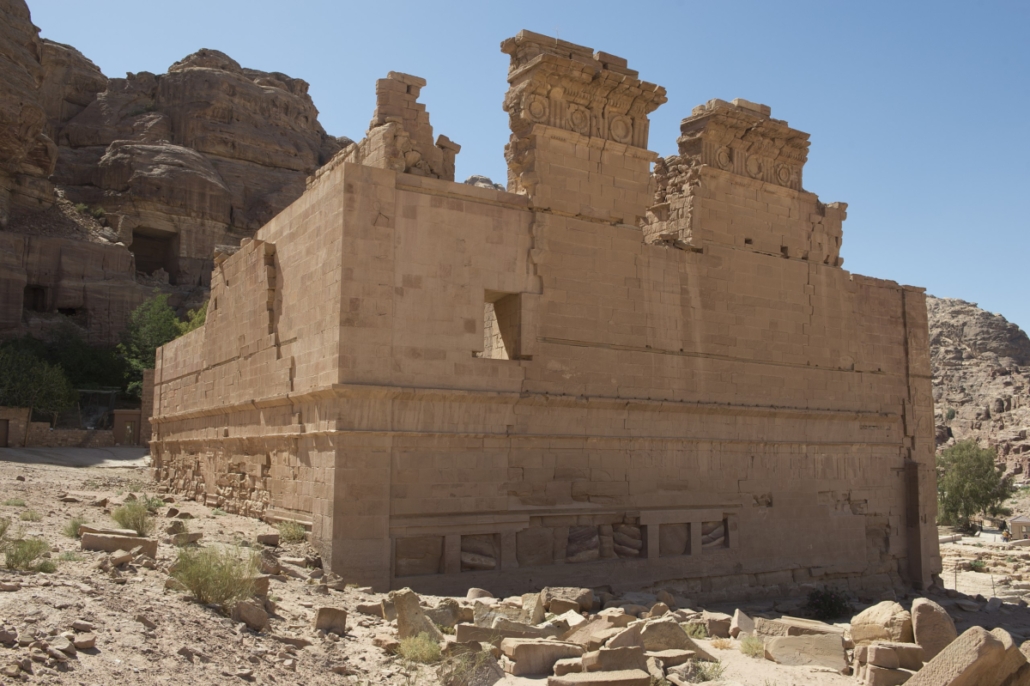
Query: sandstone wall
(40,435)
(17,419)
(511,390)
(42,279)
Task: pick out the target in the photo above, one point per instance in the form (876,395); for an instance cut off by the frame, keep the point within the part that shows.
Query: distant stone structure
(604,376)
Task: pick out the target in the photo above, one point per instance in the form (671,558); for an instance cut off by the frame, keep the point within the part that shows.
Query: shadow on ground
(129,456)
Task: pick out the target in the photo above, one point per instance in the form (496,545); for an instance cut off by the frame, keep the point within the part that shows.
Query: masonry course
(605,376)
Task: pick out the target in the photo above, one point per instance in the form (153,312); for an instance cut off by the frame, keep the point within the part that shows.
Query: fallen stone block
(268,539)
(411,619)
(506,627)
(87,529)
(584,597)
(371,609)
(667,634)
(447,613)
(388,643)
(252,614)
(617,616)
(882,676)
(910,655)
(110,543)
(331,619)
(568,665)
(740,623)
(882,656)
(592,634)
(717,624)
(477,593)
(184,539)
(823,651)
(560,606)
(534,656)
(970,660)
(671,658)
(614,659)
(886,621)
(633,677)
(932,626)
(85,641)
(119,558)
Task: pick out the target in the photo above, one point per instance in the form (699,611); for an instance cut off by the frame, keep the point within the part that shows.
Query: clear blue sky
(918,110)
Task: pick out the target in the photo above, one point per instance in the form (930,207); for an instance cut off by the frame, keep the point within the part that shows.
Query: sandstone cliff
(163,167)
(981,379)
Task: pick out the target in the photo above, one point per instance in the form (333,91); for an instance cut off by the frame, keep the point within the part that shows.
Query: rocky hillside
(164,167)
(981,378)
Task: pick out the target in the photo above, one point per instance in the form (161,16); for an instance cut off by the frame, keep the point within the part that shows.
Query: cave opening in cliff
(156,250)
(35,299)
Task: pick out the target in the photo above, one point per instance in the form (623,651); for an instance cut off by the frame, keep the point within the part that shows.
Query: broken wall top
(571,87)
(742,138)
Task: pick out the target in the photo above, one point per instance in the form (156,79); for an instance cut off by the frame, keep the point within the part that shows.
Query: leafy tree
(969,482)
(150,326)
(86,365)
(194,320)
(27,381)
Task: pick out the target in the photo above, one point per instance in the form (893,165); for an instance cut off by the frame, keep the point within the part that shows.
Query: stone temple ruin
(604,376)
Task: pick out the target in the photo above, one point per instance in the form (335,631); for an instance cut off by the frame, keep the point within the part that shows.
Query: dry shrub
(722,643)
(421,648)
(292,532)
(23,554)
(696,630)
(697,672)
(71,529)
(752,646)
(134,515)
(30,516)
(463,669)
(216,576)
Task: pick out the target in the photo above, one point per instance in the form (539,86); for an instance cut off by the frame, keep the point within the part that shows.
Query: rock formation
(981,379)
(162,168)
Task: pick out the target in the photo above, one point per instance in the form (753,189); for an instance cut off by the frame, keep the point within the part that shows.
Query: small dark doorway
(156,250)
(3,432)
(35,299)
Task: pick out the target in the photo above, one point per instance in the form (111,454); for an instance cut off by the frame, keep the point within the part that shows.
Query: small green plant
(444,629)
(14,502)
(752,646)
(151,502)
(218,512)
(22,554)
(826,604)
(292,532)
(950,414)
(461,670)
(134,515)
(696,630)
(5,526)
(697,672)
(70,556)
(97,212)
(71,529)
(216,575)
(977,566)
(81,207)
(30,516)
(422,649)
(722,643)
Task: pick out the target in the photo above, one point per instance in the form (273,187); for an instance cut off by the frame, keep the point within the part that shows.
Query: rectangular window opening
(35,299)
(502,323)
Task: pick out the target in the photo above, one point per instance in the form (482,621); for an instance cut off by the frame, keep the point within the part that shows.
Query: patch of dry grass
(216,576)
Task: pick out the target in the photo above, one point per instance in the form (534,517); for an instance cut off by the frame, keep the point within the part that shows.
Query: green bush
(216,576)
(27,381)
(752,646)
(134,515)
(950,414)
(696,630)
(14,502)
(970,482)
(150,326)
(422,649)
(292,532)
(22,554)
(697,672)
(30,516)
(977,566)
(71,529)
(826,604)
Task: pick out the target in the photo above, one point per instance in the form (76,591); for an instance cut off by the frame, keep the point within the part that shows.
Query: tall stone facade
(600,377)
